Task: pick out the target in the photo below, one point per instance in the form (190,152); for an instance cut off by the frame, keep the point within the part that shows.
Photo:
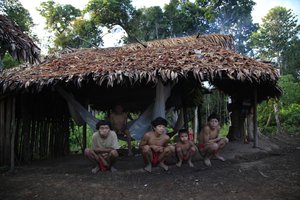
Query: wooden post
(2,130)
(185,118)
(84,128)
(12,141)
(196,123)
(255,144)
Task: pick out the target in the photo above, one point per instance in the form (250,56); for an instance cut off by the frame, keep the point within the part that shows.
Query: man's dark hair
(183,130)
(101,123)
(159,121)
(213,116)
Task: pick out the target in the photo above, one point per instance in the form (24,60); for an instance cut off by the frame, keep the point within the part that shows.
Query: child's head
(103,127)
(183,135)
(213,120)
(159,125)
(118,108)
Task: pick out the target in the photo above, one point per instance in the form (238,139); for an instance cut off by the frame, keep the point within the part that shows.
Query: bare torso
(184,146)
(118,122)
(160,140)
(153,139)
(208,134)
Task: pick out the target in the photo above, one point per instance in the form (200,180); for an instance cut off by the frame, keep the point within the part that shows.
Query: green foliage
(215,102)
(291,58)
(274,37)
(69,26)
(9,62)
(17,13)
(232,17)
(58,17)
(290,117)
(224,130)
(291,90)
(149,24)
(289,108)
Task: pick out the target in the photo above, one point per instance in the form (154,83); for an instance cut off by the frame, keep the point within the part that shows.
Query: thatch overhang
(19,45)
(198,59)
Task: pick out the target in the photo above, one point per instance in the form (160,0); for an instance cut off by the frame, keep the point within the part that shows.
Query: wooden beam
(185,118)
(13,129)
(255,144)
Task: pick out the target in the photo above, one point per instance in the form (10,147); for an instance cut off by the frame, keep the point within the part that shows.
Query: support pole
(13,129)
(255,144)
(185,118)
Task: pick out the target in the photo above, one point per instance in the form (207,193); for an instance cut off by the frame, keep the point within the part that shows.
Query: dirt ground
(269,172)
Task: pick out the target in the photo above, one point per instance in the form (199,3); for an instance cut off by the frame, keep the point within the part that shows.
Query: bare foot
(220,158)
(148,168)
(95,170)
(207,162)
(164,166)
(190,163)
(112,169)
(179,163)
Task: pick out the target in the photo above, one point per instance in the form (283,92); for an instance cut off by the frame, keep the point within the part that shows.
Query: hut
(35,116)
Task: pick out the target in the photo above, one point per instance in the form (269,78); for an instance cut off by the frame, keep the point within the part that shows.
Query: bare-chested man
(210,143)
(185,149)
(104,148)
(154,145)
(118,119)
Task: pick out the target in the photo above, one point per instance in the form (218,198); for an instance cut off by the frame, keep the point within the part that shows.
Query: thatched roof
(18,44)
(204,58)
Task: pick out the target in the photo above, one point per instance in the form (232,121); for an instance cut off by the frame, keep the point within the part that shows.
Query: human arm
(105,145)
(144,140)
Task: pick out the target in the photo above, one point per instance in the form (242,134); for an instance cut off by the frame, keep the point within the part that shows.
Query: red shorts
(201,146)
(185,158)
(102,167)
(155,158)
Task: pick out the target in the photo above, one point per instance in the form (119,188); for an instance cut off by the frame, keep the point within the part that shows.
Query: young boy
(185,149)
(154,145)
(210,143)
(118,119)
(104,148)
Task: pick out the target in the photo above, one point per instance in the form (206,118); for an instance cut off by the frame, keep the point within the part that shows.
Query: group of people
(154,145)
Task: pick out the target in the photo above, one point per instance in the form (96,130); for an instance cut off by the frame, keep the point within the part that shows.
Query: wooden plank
(7,131)
(2,131)
(13,134)
(255,144)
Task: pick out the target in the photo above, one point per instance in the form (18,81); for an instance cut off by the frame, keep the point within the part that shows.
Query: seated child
(154,145)
(185,149)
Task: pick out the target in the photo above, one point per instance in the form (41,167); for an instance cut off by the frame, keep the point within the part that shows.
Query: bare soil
(269,172)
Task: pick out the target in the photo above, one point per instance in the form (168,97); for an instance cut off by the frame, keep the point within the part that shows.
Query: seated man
(118,119)
(210,143)
(154,145)
(104,148)
(185,149)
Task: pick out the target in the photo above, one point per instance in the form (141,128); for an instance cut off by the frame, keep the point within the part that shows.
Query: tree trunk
(196,124)
(276,114)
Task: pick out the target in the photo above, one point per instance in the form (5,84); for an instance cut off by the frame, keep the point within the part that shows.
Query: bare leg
(168,151)
(129,142)
(221,144)
(180,156)
(92,156)
(210,151)
(113,155)
(147,155)
(191,153)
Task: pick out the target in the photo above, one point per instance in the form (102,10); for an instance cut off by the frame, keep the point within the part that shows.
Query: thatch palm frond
(19,45)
